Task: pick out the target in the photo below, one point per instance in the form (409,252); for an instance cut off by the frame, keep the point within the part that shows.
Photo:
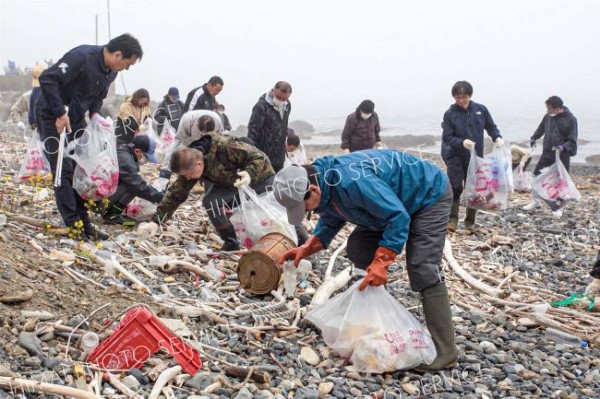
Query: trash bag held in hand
(96,175)
(258,215)
(487,184)
(373,329)
(167,135)
(142,210)
(504,157)
(554,185)
(522,181)
(35,166)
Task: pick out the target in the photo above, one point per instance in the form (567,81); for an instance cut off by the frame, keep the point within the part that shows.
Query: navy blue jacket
(376,189)
(557,130)
(79,80)
(35,93)
(460,125)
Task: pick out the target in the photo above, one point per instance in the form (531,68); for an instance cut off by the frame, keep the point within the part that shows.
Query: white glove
(346,151)
(21,125)
(469,144)
(98,119)
(244,179)
(592,290)
(147,229)
(378,145)
(499,142)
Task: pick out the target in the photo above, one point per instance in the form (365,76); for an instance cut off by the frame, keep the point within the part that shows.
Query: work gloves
(532,143)
(311,246)
(346,150)
(469,144)
(377,270)
(378,145)
(98,119)
(560,148)
(244,179)
(499,142)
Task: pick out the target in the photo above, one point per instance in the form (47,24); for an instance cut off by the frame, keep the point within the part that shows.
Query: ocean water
(513,128)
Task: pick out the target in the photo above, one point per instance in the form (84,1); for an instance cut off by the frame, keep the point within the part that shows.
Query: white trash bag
(35,166)
(374,330)
(142,210)
(554,185)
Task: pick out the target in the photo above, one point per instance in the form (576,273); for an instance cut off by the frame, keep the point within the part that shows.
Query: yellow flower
(99,245)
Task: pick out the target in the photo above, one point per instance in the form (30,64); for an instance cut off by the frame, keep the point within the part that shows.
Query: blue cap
(147,144)
(174,92)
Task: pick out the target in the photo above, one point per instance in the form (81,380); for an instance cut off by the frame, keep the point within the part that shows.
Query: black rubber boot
(438,317)
(470,220)
(114,215)
(230,242)
(453,221)
(93,233)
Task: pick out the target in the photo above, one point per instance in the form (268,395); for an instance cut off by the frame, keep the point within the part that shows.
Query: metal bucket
(258,270)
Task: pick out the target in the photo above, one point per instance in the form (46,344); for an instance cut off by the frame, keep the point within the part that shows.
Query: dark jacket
(225,119)
(168,110)
(225,155)
(360,134)
(79,80)
(130,177)
(35,93)
(268,129)
(558,130)
(376,189)
(199,98)
(460,125)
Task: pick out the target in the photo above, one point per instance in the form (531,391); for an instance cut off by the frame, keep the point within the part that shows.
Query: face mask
(278,102)
(143,161)
(552,115)
(365,116)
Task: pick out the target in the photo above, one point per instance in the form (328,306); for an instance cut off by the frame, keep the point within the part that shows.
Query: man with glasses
(463,126)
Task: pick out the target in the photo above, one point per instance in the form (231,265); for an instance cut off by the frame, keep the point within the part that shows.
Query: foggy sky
(403,55)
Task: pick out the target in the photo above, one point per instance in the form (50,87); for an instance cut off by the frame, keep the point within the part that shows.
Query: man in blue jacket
(395,199)
(463,126)
(79,81)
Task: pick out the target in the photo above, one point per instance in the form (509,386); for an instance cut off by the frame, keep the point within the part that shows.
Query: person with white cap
(394,199)
(131,183)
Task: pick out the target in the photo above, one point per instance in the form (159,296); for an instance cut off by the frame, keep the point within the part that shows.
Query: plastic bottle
(289,278)
(158,260)
(214,273)
(89,341)
(303,270)
(561,337)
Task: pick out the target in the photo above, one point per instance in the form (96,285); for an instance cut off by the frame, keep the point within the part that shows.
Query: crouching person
(394,199)
(131,183)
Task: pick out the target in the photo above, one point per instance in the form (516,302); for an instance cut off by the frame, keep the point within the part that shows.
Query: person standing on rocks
(171,109)
(559,128)
(268,125)
(80,81)
(462,130)
(203,97)
(361,131)
(394,199)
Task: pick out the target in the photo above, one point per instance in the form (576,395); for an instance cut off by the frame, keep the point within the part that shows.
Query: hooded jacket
(79,80)
(460,124)
(375,189)
(268,129)
(360,134)
(558,130)
(130,177)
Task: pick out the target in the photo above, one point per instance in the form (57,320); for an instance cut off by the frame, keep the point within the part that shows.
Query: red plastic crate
(137,337)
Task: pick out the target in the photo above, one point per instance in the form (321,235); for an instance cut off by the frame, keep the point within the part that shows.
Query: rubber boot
(453,222)
(470,220)
(438,317)
(230,242)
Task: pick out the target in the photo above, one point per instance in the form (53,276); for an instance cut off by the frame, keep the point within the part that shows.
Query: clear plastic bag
(35,166)
(142,210)
(487,184)
(504,157)
(96,175)
(522,181)
(374,330)
(167,136)
(258,215)
(554,185)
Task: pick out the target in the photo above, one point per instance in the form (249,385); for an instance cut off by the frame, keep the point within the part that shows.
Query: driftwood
(468,278)
(49,227)
(20,384)
(20,297)
(174,266)
(116,382)
(162,380)
(243,373)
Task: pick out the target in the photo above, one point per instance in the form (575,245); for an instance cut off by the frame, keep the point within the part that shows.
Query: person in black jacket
(79,81)
(224,117)
(35,92)
(131,183)
(462,130)
(203,97)
(171,109)
(269,123)
(559,128)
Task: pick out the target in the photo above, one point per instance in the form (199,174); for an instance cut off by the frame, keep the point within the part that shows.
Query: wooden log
(20,384)
(468,278)
(119,386)
(243,373)
(162,380)
(179,265)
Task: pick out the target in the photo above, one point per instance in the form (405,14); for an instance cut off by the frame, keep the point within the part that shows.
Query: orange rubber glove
(311,246)
(377,270)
